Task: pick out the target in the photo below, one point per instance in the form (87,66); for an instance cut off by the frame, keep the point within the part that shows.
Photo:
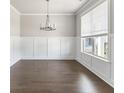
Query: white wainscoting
(27,48)
(102,68)
(87,59)
(112,57)
(68,47)
(54,47)
(48,47)
(99,67)
(40,47)
(15,55)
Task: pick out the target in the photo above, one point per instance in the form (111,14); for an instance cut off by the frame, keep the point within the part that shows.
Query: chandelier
(48,26)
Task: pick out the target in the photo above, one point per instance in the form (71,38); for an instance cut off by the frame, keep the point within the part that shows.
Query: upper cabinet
(95,21)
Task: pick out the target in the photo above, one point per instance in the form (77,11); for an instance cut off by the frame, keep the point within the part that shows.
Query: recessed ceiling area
(56,6)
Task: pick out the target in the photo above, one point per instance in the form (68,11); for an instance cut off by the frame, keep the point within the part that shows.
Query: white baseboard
(108,81)
(59,58)
(14,61)
(17,60)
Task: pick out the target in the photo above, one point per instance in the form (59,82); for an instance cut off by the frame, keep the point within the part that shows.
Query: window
(88,45)
(94,31)
(97,46)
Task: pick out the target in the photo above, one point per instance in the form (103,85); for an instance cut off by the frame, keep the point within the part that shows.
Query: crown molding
(13,8)
(82,6)
(88,6)
(27,14)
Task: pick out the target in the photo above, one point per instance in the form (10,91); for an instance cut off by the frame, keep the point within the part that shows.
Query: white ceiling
(56,6)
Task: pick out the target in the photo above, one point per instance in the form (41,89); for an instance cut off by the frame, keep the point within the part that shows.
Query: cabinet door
(100,18)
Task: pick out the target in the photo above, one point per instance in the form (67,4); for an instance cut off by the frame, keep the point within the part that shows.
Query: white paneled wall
(112,57)
(40,47)
(27,47)
(48,47)
(68,47)
(14,49)
(100,67)
(87,59)
(54,46)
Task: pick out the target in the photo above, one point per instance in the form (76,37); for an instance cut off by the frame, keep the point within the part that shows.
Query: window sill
(102,33)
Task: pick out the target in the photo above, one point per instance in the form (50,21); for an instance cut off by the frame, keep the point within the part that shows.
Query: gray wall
(65,25)
(14,23)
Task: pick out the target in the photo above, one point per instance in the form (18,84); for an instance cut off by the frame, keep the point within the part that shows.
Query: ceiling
(56,6)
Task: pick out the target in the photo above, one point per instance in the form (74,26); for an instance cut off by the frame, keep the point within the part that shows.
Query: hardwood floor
(55,77)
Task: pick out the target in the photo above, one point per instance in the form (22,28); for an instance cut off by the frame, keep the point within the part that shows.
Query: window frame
(83,50)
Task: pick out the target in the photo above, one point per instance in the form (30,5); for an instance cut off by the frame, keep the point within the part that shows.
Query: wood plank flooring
(55,77)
